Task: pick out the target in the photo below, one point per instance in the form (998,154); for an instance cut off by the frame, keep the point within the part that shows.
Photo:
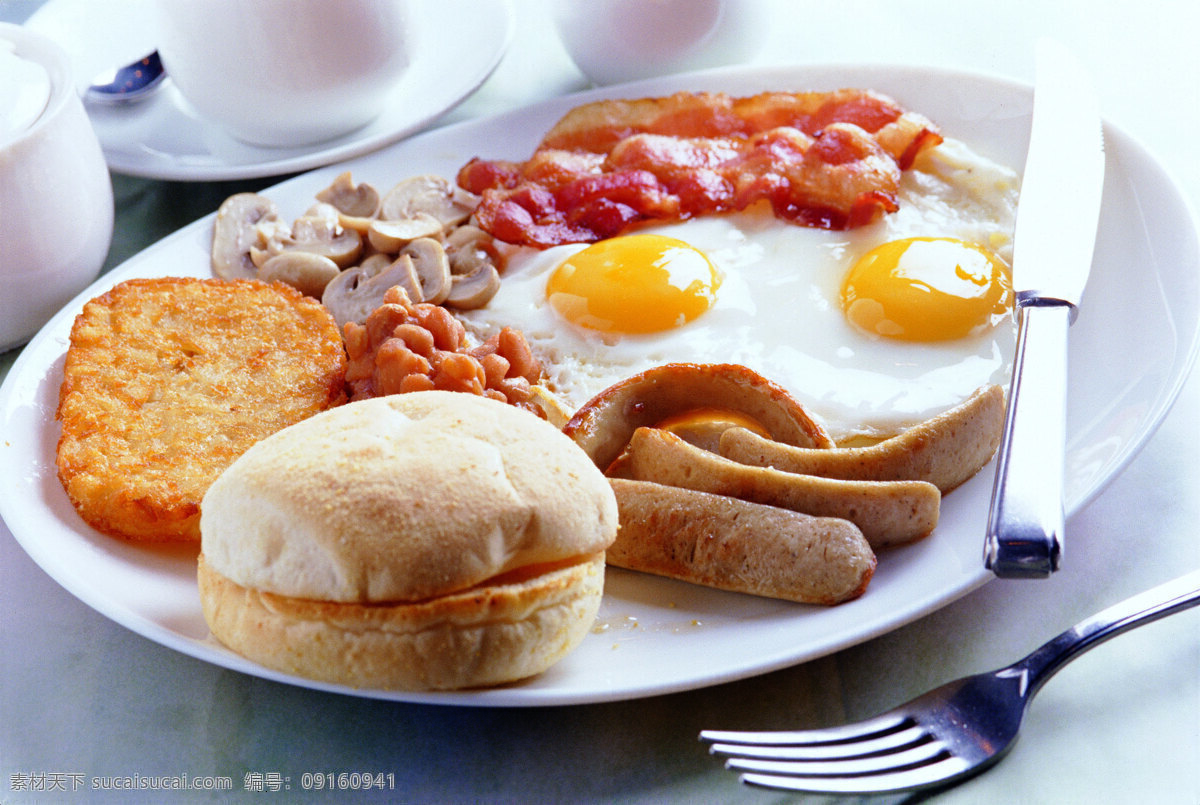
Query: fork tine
(860,730)
(887,742)
(844,767)
(909,779)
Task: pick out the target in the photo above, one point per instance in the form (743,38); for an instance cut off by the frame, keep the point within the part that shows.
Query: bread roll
(432,540)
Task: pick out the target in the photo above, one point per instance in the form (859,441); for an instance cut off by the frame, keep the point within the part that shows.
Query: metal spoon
(129,83)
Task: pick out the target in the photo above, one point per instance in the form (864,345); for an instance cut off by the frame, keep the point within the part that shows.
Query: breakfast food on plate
(736,545)
(698,400)
(750,289)
(602,125)
(830,159)
(751,527)
(775,309)
(405,347)
(167,381)
(432,540)
(945,450)
(355,243)
(874,328)
(887,512)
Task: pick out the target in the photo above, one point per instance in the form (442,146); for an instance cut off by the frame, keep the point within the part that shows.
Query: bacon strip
(830,160)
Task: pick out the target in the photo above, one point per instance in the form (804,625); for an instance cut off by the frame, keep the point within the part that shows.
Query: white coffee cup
(56,198)
(622,40)
(285,72)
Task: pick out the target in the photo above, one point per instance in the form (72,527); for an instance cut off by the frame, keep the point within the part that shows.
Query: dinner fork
(945,736)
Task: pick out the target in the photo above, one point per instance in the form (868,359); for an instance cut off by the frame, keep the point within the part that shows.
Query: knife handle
(1026,522)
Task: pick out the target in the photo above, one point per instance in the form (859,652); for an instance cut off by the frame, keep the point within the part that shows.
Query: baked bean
(416,383)
(448,332)
(495,368)
(459,372)
(461,366)
(394,361)
(515,349)
(384,320)
(516,389)
(357,342)
(416,338)
(405,346)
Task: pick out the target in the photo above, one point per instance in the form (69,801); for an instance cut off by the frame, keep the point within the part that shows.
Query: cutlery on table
(1052,254)
(129,83)
(947,735)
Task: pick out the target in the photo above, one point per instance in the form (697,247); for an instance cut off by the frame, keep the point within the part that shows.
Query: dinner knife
(1052,255)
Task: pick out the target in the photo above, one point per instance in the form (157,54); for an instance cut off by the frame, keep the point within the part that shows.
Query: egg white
(778,312)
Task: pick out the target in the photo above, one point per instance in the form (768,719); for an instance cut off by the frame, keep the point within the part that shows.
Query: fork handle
(1158,602)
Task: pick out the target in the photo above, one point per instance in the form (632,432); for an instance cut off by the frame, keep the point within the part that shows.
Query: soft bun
(483,636)
(430,540)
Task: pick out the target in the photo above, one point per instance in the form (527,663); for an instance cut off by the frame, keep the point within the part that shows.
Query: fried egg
(873,329)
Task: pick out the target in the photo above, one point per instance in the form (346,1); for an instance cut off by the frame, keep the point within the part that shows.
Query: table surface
(82,698)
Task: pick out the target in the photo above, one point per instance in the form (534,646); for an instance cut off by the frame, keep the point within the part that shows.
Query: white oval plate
(1130,350)
(162,137)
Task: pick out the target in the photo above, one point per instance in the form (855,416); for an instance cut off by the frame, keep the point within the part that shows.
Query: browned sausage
(736,545)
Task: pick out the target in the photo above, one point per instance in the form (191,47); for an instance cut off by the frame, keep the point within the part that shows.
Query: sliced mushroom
(355,293)
(306,272)
(404,273)
(359,225)
(465,262)
(467,235)
(237,231)
(432,269)
(471,291)
(392,235)
(322,234)
(258,256)
(357,201)
(469,248)
(375,263)
(326,213)
(429,194)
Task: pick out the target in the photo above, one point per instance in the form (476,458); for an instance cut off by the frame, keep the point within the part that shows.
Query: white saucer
(459,44)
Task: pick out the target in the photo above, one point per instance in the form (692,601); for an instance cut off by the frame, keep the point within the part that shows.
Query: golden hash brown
(167,381)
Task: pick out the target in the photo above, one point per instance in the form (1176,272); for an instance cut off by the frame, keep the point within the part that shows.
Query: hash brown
(168,380)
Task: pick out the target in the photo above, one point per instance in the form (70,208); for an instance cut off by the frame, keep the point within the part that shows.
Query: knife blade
(1057,216)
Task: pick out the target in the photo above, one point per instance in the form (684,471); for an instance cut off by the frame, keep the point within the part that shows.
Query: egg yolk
(700,420)
(633,284)
(926,289)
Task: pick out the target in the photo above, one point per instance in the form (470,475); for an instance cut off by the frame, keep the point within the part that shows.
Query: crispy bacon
(830,160)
